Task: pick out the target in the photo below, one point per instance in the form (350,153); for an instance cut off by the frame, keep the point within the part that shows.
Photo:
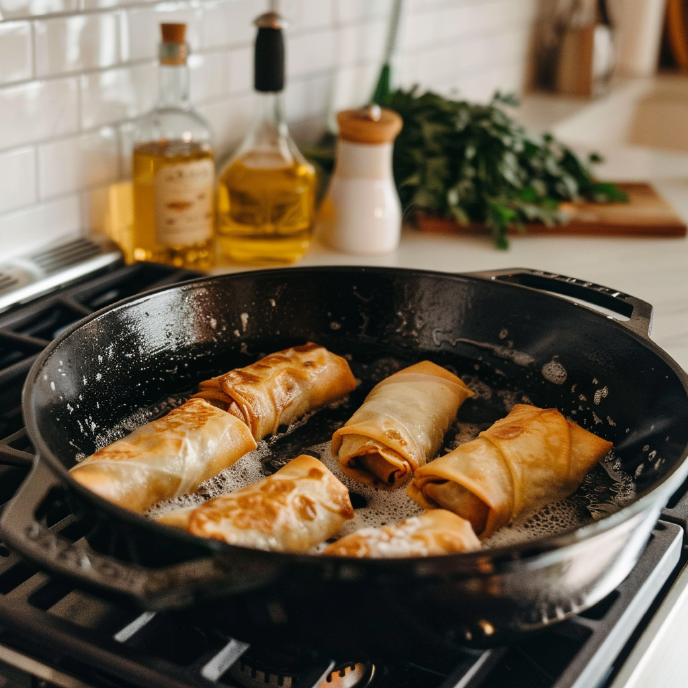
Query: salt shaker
(361,212)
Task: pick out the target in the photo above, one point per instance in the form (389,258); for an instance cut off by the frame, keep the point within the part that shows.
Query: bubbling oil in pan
(605,489)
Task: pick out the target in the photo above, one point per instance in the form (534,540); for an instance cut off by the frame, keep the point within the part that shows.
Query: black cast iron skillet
(502,329)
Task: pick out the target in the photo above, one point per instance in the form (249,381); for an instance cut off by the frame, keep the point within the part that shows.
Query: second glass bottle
(266,193)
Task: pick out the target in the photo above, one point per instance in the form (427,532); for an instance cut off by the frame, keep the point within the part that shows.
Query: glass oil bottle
(266,193)
(173,170)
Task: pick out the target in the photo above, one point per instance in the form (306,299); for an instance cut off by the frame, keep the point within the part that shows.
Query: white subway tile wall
(78,162)
(37,110)
(75,73)
(16,54)
(75,44)
(18,174)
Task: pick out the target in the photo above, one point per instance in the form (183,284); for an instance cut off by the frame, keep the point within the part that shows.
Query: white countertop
(652,269)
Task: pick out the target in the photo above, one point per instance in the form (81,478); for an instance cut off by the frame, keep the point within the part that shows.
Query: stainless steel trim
(613,643)
(223,660)
(39,670)
(134,627)
(471,673)
(659,657)
(28,276)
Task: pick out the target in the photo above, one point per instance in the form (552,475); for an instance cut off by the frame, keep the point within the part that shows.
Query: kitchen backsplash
(75,73)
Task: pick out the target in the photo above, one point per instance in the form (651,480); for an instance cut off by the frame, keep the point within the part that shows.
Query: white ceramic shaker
(361,212)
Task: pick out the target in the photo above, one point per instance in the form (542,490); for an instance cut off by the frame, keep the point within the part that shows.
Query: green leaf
(607,193)
(475,163)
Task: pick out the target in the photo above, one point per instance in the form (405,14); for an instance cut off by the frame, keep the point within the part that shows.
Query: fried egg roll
(280,388)
(292,510)
(167,457)
(400,425)
(432,533)
(530,458)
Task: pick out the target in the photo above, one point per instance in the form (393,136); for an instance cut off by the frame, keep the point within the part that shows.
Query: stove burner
(268,669)
(249,677)
(352,675)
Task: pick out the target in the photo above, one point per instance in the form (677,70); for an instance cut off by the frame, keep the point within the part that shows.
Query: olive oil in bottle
(266,210)
(173,171)
(266,193)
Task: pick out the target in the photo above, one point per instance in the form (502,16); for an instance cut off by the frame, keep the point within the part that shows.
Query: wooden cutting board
(645,214)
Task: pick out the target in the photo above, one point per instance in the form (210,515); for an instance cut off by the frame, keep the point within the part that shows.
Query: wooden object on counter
(645,214)
(677,32)
(574,75)
(586,51)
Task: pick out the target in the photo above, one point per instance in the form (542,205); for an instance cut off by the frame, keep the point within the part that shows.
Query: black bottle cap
(269,54)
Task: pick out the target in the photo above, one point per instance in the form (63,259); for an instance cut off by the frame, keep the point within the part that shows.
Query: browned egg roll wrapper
(167,457)
(400,425)
(528,459)
(292,510)
(280,388)
(432,533)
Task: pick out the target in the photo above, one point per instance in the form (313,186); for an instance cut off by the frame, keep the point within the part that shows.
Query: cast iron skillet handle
(160,588)
(638,312)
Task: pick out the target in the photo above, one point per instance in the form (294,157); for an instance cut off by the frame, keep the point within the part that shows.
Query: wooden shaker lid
(371,124)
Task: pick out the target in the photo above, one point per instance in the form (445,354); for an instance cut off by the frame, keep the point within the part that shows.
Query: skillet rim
(500,557)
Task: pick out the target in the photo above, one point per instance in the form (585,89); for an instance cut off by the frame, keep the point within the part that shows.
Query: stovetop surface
(59,634)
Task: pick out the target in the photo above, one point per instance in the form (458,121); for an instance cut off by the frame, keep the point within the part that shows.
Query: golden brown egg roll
(432,533)
(400,425)
(280,388)
(529,458)
(167,457)
(292,510)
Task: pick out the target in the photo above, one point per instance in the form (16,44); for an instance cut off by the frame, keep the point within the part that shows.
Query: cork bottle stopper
(173,49)
(173,33)
(371,124)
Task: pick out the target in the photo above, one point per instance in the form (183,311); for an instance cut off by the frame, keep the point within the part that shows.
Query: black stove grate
(70,638)
(78,635)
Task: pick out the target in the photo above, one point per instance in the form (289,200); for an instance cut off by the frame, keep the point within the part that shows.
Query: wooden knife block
(574,75)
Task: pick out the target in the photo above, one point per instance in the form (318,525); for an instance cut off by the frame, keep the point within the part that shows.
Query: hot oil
(382,507)
(605,489)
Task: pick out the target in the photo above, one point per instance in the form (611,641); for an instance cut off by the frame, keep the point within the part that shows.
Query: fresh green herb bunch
(475,164)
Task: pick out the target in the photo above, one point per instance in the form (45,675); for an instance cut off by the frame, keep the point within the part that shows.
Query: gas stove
(52,633)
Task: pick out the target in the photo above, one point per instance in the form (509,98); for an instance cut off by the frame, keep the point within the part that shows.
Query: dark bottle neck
(268,75)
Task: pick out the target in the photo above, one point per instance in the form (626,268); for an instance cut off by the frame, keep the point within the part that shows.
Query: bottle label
(184,203)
